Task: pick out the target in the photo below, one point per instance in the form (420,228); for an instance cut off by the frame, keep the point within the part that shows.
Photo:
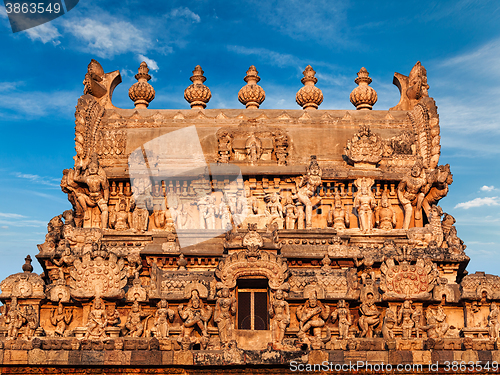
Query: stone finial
(309,96)
(197,94)
(363,96)
(252,95)
(27,267)
(141,92)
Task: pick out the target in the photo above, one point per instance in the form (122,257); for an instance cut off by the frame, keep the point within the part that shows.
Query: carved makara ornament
(252,95)
(406,280)
(309,96)
(365,148)
(197,94)
(141,92)
(363,96)
(412,88)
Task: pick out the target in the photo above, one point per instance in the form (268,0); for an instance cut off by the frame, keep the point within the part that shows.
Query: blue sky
(43,68)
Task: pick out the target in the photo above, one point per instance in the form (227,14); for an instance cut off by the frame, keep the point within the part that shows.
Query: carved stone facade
(311,235)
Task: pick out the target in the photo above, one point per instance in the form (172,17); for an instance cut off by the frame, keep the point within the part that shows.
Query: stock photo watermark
(25,14)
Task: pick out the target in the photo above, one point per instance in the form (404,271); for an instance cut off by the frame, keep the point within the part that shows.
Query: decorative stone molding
(365,148)
(197,94)
(25,285)
(309,96)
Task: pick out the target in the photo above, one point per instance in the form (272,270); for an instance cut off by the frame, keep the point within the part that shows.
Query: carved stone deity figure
(364,204)
(338,217)
(14,319)
(225,310)
(211,212)
(301,217)
(134,325)
(54,233)
(389,324)
(274,211)
(98,189)
(410,193)
(163,316)
(279,312)
(97,321)
(370,316)
(194,315)
(385,216)
(159,219)
(112,317)
(225,147)
(405,319)
(493,323)
(344,316)
(306,187)
(436,323)
(61,319)
(253,146)
(32,320)
(225,214)
(290,213)
(313,314)
(120,218)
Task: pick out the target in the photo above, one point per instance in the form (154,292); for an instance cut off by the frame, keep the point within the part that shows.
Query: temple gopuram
(252,241)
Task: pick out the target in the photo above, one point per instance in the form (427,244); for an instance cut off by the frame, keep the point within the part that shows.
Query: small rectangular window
(253,304)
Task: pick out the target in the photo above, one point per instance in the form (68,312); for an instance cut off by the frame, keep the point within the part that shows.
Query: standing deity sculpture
(194,315)
(389,324)
(410,193)
(163,316)
(134,324)
(210,213)
(279,312)
(312,315)
(31,319)
(385,216)
(225,213)
(225,310)
(306,188)
(365,203)
(344,316)
(338,216)
(370,316)
(290,212)
(98,190)
(405,319)
(61,319)
(14,319)
(97,321)
(253,147)
(274,210)
(493,323)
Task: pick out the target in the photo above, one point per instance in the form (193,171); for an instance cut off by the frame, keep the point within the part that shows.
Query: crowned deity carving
(134,325)
(385,216)
(97,321)
(493,323)
(14,319)
(405,319)
(343,314)
(211,211)
(163,316)
(121,218)
(253,148)
(61,318)
(436,323)
(364,204)
(389,324)
(274,211)
(290,212)
(225,213)
(225,310)
(410,193)
(369,316)
(279,312)
(338,216)
(97,183)
(313,315)
(306,188)
(194,316)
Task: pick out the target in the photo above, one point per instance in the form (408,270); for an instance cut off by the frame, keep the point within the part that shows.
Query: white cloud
(11,216)
(48,181)
(3,13)
(107,39)
(5,227)
(275,58)
(184,12)
(487,188)
(479,202)
(153,65)
(45,33)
